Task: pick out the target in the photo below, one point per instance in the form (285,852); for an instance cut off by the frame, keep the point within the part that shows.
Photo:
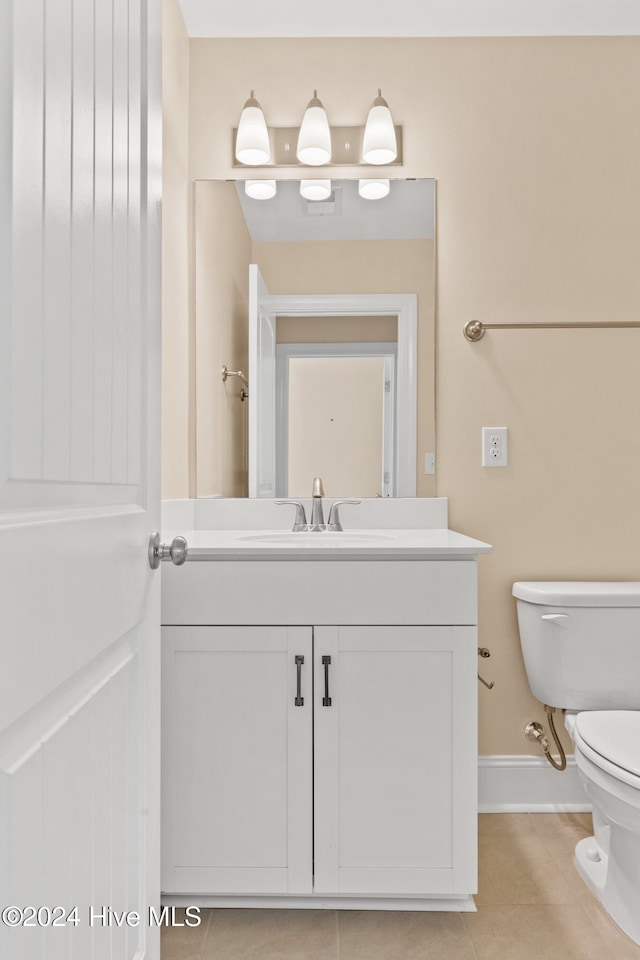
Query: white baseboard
(525,784)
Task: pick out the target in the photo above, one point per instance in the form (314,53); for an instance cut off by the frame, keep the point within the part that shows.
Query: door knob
(177,551)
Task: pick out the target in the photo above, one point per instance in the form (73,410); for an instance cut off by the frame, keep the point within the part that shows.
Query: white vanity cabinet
(237,760)
(362,795)
(394,761)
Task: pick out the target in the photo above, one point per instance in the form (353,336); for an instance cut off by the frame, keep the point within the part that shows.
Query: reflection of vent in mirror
(406,213)
(324,208)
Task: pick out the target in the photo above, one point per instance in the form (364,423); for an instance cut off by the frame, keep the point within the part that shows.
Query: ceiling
(407,213)
(411,18)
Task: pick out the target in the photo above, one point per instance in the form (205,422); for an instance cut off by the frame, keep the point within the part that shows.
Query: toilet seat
(611,740)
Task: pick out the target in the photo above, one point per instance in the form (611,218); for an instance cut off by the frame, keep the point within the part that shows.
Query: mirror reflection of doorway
(339,319)
(335,418)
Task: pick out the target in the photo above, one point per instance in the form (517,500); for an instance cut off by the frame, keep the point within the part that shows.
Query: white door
(262,388)
(394,795)
(237,760)
(80,166)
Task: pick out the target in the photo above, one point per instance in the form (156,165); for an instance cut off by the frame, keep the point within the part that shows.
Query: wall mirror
(328,307)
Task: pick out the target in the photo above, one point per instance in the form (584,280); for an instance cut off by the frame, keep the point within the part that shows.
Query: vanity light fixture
(379,144)
(314,142)
(260,189)
(315,189)
(314,139)
(373,189)
(252,138)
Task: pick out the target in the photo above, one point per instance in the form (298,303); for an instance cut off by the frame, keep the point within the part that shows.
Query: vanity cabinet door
(237,755)
(395,761)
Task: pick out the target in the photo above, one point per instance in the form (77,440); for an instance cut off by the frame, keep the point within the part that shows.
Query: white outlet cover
(495,446)
(429,464)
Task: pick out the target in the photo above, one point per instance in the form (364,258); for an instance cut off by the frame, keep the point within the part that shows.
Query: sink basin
(304,538)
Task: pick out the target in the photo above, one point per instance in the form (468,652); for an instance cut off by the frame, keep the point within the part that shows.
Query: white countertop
(380,544)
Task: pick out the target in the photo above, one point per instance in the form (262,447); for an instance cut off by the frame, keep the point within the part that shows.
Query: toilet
(581,648)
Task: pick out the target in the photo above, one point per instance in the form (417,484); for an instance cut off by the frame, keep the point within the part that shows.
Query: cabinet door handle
(326,700)
(299,701)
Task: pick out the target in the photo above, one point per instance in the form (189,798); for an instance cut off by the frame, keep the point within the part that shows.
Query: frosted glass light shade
(315,189)
(260,189)
(373,189)
(252,138)
(379,143)
(314,139)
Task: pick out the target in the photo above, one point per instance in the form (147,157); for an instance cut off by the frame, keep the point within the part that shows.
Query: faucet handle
(300,522)
(318,489)
(334,518)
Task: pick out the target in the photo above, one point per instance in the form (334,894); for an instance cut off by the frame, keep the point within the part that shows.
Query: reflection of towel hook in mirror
(244,393)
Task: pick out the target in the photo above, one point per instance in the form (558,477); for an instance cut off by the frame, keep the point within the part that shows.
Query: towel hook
(244,392)
(484,652)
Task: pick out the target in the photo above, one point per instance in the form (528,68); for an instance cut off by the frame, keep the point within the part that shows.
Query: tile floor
(532,905)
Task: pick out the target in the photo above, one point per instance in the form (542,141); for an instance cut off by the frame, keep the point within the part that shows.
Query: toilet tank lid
(579,593)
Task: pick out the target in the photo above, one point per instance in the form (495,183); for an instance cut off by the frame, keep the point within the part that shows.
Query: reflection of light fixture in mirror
(315,189)
(260,189)
(252,138)
(373,189)
(314,139)
(379,144)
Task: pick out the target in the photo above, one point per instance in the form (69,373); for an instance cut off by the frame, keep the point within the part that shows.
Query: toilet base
(592,863)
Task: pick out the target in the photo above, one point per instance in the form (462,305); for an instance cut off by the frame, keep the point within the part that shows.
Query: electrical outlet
(429,463)
(495,447)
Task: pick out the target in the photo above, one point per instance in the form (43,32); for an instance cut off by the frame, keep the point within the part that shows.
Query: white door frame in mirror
(405,307)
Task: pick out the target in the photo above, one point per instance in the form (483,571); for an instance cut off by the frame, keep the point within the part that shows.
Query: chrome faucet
(317,515)
(317,524)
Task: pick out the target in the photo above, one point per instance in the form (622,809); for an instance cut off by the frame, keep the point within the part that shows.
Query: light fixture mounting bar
(346,148)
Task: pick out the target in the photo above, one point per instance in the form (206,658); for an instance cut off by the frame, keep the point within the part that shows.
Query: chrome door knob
(177,551)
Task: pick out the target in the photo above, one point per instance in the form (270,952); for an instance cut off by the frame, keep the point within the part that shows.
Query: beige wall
(222,258)
(175,254)
(336,329)
(535,145)
(371,266)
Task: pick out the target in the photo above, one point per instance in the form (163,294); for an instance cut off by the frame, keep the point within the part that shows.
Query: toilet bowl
(607,753)
(581,646)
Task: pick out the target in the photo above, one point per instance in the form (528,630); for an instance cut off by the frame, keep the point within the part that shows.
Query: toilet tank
(581,643)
